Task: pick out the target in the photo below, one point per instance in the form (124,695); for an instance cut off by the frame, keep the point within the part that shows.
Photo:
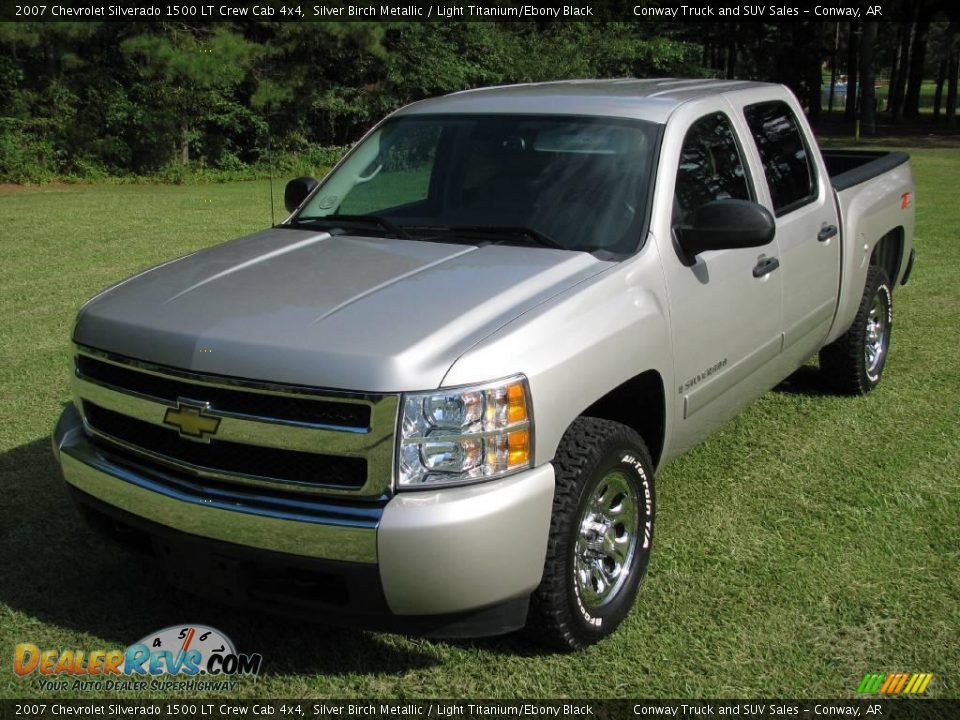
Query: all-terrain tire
(601,467)
(853,363)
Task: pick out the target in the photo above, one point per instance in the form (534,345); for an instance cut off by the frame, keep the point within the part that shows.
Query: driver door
(726,306)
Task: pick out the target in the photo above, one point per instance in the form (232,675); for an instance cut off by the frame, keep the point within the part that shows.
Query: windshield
(556,181)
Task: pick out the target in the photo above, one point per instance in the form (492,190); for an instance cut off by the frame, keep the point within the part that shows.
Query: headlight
(461,435)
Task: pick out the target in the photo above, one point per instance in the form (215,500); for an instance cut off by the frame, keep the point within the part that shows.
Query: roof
(617,98)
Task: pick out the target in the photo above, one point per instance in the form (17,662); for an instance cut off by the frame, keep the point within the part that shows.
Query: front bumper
(455,561)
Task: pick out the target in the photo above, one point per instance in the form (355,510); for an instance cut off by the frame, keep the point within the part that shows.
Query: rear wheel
(853,364)
(600,535)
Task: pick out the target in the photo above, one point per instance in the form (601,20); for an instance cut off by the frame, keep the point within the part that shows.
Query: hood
(356,313)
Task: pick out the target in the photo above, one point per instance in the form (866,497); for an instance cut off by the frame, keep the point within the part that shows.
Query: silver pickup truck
(434,398)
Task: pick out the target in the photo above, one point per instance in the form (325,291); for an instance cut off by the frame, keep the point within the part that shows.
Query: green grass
(811,540)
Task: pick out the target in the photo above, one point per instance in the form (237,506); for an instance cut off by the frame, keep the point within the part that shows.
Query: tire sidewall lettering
(889,295)
(628,461)
(647,494)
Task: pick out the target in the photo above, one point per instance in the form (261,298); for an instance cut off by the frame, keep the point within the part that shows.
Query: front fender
(579,346)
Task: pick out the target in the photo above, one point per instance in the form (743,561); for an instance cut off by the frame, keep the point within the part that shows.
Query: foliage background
(176,101)
(99,99)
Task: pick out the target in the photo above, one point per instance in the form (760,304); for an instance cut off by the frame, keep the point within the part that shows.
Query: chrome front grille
(330,413)
(278,438)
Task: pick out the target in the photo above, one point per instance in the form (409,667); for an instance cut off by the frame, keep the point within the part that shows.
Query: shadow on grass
(805,381)
(513,645)
(56,570)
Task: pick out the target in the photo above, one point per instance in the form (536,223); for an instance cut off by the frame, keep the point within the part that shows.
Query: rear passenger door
(800,196)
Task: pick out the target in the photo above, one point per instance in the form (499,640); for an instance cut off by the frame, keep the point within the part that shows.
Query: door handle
(827,232)
(765,266)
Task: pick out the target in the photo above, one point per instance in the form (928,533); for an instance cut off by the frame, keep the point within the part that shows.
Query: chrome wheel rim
(606,540)
(877,335)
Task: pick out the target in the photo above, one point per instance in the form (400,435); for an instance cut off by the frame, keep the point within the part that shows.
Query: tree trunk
(954,64)
(833,67)
(894,71)
(868,100)
(898,89)
(947,71)
(815,76)
(184,145)
(731,55)
(813,73)
(853,56)
(938,95)
(918,57)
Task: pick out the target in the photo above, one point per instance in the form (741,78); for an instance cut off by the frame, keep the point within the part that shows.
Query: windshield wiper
(499,231)
(380,222)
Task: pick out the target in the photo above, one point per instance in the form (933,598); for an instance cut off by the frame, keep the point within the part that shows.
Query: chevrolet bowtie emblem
(190,420)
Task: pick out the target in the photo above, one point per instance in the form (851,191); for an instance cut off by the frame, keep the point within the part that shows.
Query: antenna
(273,171)
(273,222)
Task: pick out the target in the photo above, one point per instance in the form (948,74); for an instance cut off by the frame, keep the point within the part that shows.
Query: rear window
(784,154)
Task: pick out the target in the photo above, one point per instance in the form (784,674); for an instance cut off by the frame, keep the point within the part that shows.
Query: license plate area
(200,573)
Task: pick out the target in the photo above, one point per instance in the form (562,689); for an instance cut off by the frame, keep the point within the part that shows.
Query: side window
(711,167)
(784,153)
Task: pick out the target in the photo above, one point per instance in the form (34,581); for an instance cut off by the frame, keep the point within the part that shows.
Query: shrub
(25,157)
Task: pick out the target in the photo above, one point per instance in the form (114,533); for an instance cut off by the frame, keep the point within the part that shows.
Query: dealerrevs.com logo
(180,651)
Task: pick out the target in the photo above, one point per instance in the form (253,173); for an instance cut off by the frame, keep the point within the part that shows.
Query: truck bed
(852,167)
(875,198)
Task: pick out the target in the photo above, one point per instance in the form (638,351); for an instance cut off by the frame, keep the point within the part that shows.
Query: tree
(194,69)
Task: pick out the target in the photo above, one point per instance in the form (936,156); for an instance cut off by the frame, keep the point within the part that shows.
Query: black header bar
(201,11)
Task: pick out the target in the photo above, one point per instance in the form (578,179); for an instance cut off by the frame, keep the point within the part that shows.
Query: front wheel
(600,535)
(853,364)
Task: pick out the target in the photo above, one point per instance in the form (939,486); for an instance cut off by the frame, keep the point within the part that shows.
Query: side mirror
(297,190)
(726,224)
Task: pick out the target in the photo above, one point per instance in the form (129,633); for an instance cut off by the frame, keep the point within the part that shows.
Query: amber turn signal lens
(518,443)
(516,404)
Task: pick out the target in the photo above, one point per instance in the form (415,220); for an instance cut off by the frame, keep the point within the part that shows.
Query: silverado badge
(191,421)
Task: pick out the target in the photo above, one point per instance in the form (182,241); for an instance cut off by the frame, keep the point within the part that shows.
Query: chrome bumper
(311,528)
(444,551)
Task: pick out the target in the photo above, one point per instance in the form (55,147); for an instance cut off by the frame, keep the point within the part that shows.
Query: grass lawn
(812,540)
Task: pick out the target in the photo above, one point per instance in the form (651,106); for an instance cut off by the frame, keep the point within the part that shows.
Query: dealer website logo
(894,683)
(182,651)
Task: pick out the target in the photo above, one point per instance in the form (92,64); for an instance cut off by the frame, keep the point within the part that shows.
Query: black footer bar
(870,709)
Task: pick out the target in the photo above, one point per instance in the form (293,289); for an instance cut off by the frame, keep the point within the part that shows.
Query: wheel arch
(640,404)
(888,253)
